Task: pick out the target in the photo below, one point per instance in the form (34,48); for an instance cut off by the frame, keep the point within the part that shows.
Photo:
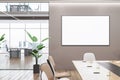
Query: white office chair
(89,57)
(57,74)
(47,73)
(44,76)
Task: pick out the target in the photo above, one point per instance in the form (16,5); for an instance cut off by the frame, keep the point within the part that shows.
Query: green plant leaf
(34,54)
(35,51)
(44,39)
(28,34)
(39,56)
(40,46)
(33,38)
(2,37)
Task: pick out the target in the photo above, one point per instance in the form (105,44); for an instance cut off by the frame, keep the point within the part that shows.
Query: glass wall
(24,7)
(15,35)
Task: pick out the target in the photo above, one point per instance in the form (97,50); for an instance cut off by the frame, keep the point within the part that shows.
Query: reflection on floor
(25,62)
(18,75)
(21,68)
(28,75)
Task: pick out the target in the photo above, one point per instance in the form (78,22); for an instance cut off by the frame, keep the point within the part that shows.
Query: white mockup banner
(85,30)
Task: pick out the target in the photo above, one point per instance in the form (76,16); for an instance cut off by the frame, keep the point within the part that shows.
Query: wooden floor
(22,68)
(28,75)
(25,62)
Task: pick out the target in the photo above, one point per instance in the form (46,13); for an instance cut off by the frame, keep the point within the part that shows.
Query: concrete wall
(64,55)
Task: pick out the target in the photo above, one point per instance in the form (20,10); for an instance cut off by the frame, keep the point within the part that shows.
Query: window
(15,35)
(3,6)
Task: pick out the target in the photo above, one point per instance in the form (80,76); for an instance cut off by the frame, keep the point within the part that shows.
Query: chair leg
(40,75)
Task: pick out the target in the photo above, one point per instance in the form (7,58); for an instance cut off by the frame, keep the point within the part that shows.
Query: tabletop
(92,70)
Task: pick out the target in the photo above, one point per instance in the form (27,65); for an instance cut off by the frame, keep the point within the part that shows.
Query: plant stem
(36,60)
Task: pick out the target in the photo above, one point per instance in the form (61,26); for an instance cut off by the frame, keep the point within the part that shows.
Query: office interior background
(44,19)
(17,18)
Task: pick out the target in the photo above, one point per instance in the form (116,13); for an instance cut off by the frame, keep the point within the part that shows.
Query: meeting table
(98,70)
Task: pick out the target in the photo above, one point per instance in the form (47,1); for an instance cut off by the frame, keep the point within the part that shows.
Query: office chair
(47,73)
(57,74)
(89,57)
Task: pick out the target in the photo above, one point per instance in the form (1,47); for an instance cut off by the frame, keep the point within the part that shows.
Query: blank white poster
(85,30)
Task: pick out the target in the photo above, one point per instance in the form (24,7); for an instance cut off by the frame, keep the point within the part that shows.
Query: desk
(94,71)
(16,52)
(27,51)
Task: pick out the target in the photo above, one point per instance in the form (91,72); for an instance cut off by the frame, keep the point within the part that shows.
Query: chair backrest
(89,57)
(45,68)
(51,67)
(53,72)
(43,76)
(50,58)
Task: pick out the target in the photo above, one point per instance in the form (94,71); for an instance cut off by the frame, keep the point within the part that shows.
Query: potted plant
(2,39)
(35,50)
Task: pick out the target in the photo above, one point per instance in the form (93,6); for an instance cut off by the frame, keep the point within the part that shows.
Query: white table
(92,71)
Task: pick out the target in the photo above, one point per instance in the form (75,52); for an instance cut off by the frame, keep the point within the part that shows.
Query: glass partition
(15,34)
(24,7)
